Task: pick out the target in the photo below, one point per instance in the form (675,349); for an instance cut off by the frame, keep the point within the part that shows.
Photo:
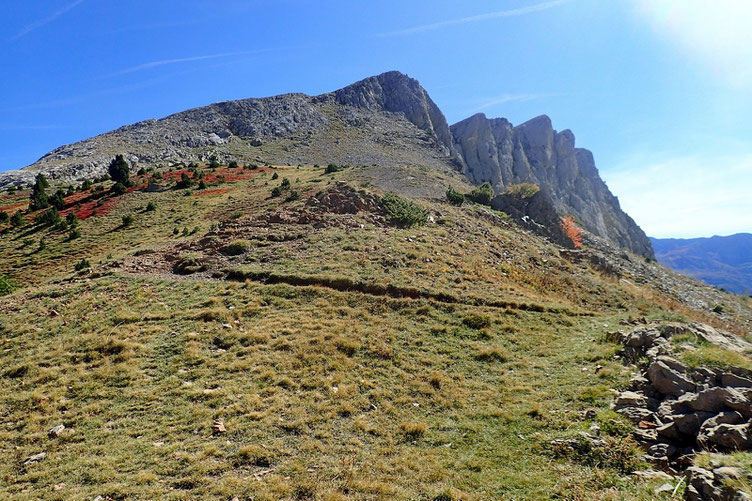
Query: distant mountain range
(387,120)
(721,261)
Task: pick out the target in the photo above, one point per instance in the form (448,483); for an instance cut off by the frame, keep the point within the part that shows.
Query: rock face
(386,120)
(535,212)
(493,150)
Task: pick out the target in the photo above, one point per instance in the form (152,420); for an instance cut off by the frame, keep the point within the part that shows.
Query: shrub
(523,190)
(202,185)
(141,172)
(42,245)
(85,185)
(455,197)
(185,181)
(251,166)
(74,234)
(6,285)
(232,165)
(57,200)
(82,265)
(276,191)
(4,217)
(294,195)
(571,230)
(285,184)
(72,219)
(717,308)
(213,163)
(16,219)
(118,188)
(237,247)
(403,212)
(482,194)
(151,207)
(127,220)
(332,168)
(48,218)
(275,176)
(119,170)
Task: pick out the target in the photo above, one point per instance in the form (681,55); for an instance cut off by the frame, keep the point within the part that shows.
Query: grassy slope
(324,394)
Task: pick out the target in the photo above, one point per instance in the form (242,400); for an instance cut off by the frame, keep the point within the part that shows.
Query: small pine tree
(119,188)
(72,219)
(127,220)
(275,176)
(16,219)
(455,197)
(58,200)
(482,194)
(151,207)
(4,217)
(285,184)
(276,191)
(119,170)
(213,163)
(232,165)
(38,197)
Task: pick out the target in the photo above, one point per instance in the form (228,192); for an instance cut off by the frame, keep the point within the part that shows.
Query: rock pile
(344,199)
(681,410)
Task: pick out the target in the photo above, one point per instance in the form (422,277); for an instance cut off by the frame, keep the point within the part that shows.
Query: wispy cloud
(510,98)
(714,33)
(38,24)
(166,62)
(474,19)
(688,196)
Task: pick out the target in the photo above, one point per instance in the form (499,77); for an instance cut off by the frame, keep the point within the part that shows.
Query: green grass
(330,383)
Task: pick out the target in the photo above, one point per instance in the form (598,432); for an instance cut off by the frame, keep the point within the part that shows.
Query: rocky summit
(388,120)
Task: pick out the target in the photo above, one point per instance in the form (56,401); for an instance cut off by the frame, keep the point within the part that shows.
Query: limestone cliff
(493,150)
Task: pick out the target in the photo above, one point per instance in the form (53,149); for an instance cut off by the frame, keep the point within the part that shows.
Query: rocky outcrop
(492,150)
(534,212)
(681,410)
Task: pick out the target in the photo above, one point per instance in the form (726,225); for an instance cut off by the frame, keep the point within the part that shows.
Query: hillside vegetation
(298,332)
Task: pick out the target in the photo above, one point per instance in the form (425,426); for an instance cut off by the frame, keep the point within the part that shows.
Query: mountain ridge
(723,261)
(387,119)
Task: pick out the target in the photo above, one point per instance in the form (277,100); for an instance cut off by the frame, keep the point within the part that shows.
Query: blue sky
(660,91)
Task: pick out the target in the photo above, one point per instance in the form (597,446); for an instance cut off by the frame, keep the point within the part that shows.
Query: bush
(232,165)
(16,219)
(49,217)
(141,172)
(151,207)
(455,197)
(717,309)
(571,230)
(403,212)
(57,200)
(523,190)
(285,184)
(275,176)
(74,234)
(118,188)
(42,245)
(294,195)
(119,170)
(213,163)
(185,182)
(6,285)
(251,166)
(237,247)
(477,321)
(4,217)
(332,168)
(482,194)
(127,220)
(72,219)
(82,265)
(276,191)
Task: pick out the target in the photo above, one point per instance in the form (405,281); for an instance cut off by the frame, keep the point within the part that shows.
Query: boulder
(701,486)
(710,400)
(735,437)
(636,414)
(729,379)
(667,380)
(630,399)
(690,424)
